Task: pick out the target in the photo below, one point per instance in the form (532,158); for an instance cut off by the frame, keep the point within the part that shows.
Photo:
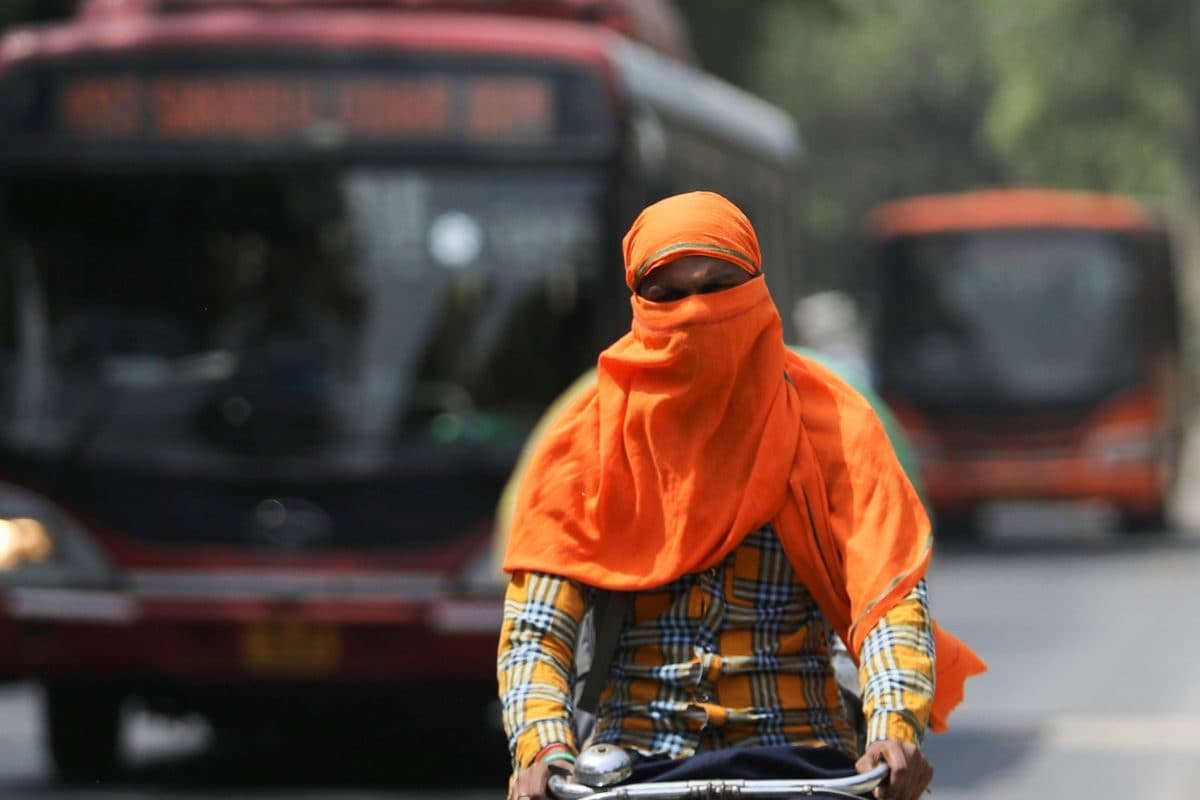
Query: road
(1092,692)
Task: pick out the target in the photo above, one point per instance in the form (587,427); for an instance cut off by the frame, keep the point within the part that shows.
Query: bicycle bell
(602,765)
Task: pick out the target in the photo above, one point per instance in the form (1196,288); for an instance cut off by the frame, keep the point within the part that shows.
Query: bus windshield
(337,318)
(1009,320)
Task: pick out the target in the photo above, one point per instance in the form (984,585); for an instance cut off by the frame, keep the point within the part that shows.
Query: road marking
(1158,732)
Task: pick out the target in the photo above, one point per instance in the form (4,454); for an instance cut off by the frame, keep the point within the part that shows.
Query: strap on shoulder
(608,615)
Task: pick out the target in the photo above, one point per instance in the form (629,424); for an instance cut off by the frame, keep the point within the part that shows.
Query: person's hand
(910,774)
(530,783)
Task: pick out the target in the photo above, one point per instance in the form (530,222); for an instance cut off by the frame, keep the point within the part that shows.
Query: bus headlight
(1115,452)
(1122,445)
(23,541)
(43,545)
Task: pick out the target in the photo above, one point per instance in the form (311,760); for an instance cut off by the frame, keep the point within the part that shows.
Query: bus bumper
(75,634)
(951,485)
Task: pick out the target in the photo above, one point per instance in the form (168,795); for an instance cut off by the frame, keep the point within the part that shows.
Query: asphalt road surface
(1093,691)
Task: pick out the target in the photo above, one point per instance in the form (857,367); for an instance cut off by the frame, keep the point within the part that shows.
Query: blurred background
(286,286)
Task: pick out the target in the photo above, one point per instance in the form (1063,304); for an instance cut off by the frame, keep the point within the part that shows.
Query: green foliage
(727,35)
(1091,93)
(890,95)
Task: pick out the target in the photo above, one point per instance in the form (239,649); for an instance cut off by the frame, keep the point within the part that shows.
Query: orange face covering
(703,427)
(662,471)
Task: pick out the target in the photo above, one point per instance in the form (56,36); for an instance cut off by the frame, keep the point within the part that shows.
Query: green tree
(890,96)
(727,36)
(1093,93)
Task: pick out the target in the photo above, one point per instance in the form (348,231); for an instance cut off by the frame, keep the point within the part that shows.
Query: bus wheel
(957,525)
(83,731)
(1145,523)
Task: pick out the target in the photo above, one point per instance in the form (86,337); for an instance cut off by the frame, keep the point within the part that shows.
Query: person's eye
(662,294)
(717,286)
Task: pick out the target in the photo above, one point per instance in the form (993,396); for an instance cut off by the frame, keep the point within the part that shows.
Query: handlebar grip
(879,772)
(562,789)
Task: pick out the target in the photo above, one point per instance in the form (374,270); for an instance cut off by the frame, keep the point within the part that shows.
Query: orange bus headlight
(1122,445)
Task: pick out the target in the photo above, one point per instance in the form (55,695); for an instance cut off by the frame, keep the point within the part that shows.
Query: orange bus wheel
(961,524)
(1144,523)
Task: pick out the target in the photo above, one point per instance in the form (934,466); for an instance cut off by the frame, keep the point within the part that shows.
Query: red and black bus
(284,284)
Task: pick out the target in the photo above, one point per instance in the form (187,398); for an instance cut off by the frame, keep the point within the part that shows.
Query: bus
(284,286)
(1028,339)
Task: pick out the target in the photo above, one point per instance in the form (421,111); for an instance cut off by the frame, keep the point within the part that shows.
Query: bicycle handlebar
(850,787)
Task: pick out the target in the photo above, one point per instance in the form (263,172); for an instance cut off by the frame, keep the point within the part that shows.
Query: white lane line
(1158,732)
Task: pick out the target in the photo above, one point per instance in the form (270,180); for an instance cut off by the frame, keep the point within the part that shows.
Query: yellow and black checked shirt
(733,656)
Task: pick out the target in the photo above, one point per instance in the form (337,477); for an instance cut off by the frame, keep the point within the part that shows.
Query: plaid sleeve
(896,671)
(535,664)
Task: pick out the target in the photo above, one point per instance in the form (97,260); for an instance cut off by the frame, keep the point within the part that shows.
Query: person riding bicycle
(750,504)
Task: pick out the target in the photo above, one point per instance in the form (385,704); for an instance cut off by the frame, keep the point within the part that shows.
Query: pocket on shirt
(761,577)
(761,595)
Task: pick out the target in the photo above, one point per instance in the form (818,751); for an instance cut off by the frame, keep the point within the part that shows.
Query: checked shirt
(736,655)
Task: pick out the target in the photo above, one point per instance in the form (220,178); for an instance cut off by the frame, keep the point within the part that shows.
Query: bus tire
(83,732)
(1145,523)
(960,525)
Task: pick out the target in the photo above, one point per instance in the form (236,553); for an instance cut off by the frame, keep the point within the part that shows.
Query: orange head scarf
(693,224)
(703,427)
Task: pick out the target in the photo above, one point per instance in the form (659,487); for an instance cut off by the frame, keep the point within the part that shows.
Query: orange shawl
(703,427)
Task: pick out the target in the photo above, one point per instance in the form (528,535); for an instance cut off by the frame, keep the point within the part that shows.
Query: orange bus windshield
(1010,320)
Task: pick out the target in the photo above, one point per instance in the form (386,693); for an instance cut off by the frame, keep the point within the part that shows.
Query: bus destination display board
(241,107)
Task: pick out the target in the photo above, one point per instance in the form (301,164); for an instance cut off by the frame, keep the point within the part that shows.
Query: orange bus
(1028,339)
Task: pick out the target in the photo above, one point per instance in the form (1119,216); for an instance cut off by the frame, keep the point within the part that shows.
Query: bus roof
(655,23)
(1009,208)
(224,26)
